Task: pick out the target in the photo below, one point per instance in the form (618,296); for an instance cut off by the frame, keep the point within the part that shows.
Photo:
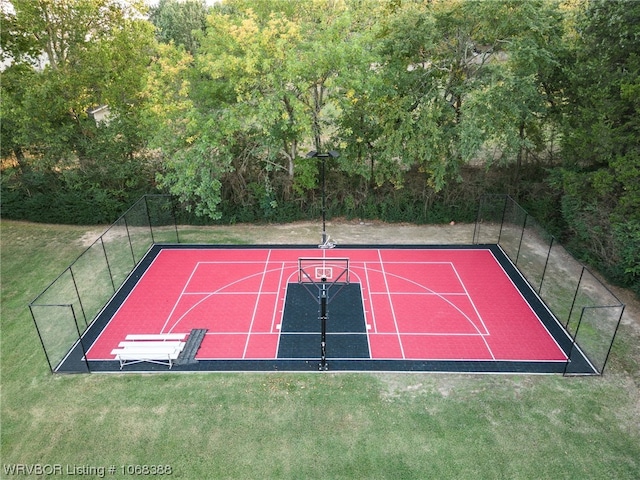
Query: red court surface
(419,304)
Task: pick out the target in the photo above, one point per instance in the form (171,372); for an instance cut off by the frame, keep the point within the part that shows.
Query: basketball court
(351,308)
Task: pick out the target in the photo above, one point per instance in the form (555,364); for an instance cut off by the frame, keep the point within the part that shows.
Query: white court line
(346,333)
(211,294)
(435,334)
(231,262)
(122,303)
(405,262)
(366,332)
(229,293)
(428,292)
(364,314)
(175,305)
(288,282)
(484,339)
(276,303)
(328,333)
(255,306)
(434,293)
(243,333)
(371,309)
(393,312)
(530,307)
(282,316)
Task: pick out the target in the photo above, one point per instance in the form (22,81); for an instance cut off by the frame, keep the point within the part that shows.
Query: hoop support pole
(323,326)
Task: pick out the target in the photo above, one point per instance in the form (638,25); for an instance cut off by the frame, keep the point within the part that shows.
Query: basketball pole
(333,154)
(323,327)
(324,203)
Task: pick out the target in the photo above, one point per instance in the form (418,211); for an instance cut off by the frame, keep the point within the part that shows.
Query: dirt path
(357,233)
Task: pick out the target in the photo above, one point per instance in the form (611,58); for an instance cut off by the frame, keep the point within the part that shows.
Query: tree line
(430,104)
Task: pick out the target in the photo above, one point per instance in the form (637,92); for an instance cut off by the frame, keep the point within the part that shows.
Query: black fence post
(504,212)
(106,258)
(175,217)
(524,226)
(75,286)
(615,332)
(146,206)
(44,348)
(133,255)
(84,351)
(546,264)
(476,228)
(575,297)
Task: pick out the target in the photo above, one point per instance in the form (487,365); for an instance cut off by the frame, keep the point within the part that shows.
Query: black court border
(74,361)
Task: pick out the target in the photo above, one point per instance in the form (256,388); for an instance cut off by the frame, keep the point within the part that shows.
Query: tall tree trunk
(318,100)
(291,151)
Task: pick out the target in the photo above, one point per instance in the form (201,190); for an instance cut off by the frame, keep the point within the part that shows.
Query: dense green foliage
(430,104)
(61,165)
(599,180)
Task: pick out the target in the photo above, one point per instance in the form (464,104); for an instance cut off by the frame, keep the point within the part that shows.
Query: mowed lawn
(297,426)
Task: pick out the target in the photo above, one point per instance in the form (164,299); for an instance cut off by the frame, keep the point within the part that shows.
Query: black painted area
(300,332)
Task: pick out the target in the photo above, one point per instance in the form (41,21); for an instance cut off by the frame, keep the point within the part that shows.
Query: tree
(93,52)
(455,79)
(180,21)
(241,111)
(516,113)
(76,54)
(268,84)
(599,181)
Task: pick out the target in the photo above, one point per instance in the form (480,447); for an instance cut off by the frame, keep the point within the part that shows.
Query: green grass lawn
(299,425)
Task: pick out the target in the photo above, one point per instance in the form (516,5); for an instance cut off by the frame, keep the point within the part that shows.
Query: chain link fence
(586,308)
(67,307)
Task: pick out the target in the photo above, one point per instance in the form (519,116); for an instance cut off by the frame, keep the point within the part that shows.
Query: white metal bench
(156,336)
(160,352)
(150,345)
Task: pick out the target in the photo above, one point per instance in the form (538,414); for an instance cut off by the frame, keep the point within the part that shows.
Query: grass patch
(300,425)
